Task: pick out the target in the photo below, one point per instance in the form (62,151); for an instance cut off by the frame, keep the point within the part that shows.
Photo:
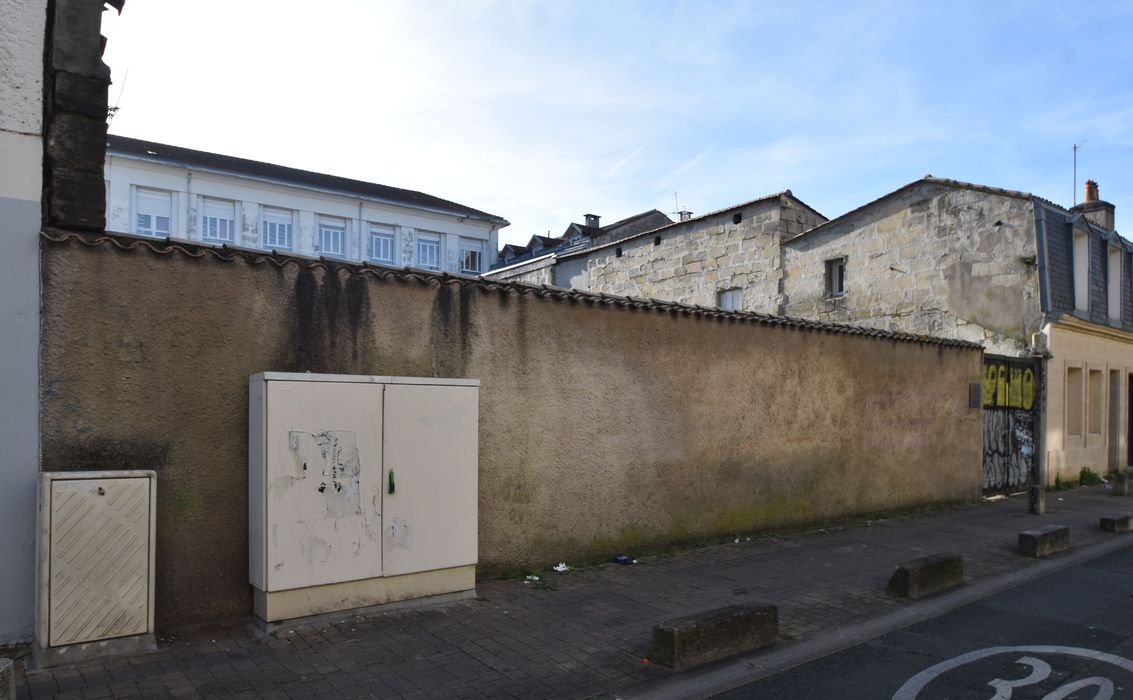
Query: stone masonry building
(1030,280)
(535,262)
(1048,292)
(728,258)
(936,257)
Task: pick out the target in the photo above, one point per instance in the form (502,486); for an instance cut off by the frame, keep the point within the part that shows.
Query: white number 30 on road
(1039,671)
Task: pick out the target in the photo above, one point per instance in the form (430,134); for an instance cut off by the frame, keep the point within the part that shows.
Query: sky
(543,111)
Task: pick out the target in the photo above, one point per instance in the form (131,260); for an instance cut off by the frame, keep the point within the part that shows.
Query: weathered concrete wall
(937,260)
(21,185)
(696,260)
(682,425)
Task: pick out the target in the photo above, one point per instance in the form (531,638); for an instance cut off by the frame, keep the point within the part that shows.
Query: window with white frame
(1081,271)
(835,278)
(1113,291)
(153,212)
(729,299)
(277,226)
(471,256)
(382,244)
(332,236)
(429,251)
(218,220)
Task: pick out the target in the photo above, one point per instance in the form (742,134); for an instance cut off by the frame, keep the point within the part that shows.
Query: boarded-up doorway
(1011,390)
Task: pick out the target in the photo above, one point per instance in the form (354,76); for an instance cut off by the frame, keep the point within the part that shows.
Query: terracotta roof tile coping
(166,246)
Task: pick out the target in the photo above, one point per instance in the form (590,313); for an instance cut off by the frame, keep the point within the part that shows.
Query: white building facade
(170,192)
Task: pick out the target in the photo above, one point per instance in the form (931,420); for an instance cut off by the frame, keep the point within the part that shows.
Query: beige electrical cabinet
(362,491)
(96,564)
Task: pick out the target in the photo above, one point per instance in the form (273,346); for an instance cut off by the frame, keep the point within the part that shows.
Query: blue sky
(543,111)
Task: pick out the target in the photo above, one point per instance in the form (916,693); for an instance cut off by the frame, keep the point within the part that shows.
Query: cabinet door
(431,448)
(323,483)
(99,539)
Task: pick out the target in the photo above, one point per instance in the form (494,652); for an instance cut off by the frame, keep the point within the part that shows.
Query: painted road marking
(1039,671)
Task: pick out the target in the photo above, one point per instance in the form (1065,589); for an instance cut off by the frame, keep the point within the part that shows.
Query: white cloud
(542,111)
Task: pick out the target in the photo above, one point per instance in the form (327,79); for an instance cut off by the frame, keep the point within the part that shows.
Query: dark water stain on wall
(451,331)
(358,317)
(303,326)
(95,452)
(327,359)
(319,326)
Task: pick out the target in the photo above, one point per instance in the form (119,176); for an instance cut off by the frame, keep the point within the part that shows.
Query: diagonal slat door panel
(98,567)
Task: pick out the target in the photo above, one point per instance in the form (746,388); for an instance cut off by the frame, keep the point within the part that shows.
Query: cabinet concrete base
(276,606)
(45,657)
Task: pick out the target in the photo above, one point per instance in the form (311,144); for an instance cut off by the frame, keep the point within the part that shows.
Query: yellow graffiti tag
(1008,386)
(990,375)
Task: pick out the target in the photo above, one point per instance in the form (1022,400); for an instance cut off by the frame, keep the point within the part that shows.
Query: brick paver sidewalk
(577,634)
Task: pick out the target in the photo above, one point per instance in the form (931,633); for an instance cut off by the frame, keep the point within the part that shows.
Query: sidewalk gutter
(739,671)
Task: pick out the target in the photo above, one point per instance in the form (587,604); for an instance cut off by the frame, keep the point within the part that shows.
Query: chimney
(684,215)
(1094,208)
(592,220)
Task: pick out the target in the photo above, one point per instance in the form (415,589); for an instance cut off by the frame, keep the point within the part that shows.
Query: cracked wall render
(665,428)
(937,260)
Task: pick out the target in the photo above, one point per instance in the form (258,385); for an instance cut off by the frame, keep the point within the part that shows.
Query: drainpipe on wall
(1040,351)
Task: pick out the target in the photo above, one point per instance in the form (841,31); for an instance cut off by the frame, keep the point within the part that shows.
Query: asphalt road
(1069,635)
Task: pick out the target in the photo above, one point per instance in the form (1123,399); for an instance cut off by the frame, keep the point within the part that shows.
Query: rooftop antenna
(121,88)
(676,207)
(1078,145)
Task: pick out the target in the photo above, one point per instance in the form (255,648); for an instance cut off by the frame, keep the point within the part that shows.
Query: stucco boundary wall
(607,424)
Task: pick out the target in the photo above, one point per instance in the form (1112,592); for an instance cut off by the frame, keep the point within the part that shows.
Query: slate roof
(164,153)
(547,241)
(646,220)
(519,254)
(581,230)
(638,223)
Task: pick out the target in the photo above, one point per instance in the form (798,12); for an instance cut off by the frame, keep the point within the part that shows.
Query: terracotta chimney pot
(1091,191)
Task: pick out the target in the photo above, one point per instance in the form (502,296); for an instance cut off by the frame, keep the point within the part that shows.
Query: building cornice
(1078,325)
